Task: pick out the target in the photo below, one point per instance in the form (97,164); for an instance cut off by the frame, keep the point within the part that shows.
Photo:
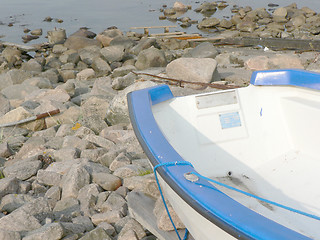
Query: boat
(241,163)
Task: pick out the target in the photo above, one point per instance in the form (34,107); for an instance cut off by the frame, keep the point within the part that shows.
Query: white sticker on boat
(230,120)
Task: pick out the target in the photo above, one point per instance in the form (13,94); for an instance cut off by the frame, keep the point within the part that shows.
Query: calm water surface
(100,14)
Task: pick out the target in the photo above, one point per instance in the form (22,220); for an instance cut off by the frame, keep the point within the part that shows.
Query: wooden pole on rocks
(39,116)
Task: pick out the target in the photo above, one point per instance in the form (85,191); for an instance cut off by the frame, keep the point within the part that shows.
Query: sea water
(101,14)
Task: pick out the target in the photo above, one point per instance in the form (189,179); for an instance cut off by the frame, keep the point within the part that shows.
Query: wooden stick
(39,116)
(213,85)
(166,34)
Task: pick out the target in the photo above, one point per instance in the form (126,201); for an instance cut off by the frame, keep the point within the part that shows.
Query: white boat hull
(261,140)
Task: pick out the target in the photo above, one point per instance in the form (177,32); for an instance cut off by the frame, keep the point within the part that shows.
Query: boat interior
(260,139)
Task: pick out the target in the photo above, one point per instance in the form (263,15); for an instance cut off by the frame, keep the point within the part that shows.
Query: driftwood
(166,34)
(39,116)
(181,82)
(272,43)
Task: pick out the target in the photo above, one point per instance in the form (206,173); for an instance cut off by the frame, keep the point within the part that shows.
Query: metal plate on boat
(216,99)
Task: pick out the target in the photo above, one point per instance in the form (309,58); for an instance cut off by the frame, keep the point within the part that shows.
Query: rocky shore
(67,176)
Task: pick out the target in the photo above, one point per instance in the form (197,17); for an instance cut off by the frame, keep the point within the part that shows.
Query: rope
(254,196)
(223,185)
(162,196)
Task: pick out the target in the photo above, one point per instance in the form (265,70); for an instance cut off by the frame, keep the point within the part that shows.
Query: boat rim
(143,122)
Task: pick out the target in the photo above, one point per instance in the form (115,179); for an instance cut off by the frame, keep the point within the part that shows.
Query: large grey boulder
(18,91)
(32,65)
(100,66)
(76,178)
(96,234)
(57,36)
(11,202)
(132,225)
(67,208)
(128,171)
(9,235)
(27,217)
(79,42)
(146,184)
(108,182)
(108,35)
(120,161)
(121,83)
(84,221)
(100,141)
(39,82)
(48,178)
(57,94)
(76,142)
(109,217)
(94,113)
(85,74)
(113,53)
(102,86)
(204,50)
(208,23)
(143,44)
(89,53)
(84,32)
(151,57)
(11,54)
(19,221)
(70,56)
(14,76)
(22,169)
(280,12)
(8,185)
(122,71)
(115,202)
(87,197)
(247,26)
(66,154)
(51,74)
(118,110)
(51,231)
(124,41)
(201,70)
(5,150)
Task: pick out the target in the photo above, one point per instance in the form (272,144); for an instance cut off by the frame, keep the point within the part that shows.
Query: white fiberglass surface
(265,141)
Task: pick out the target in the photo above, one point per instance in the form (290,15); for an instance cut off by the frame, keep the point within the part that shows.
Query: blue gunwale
(222,210)
(292,77)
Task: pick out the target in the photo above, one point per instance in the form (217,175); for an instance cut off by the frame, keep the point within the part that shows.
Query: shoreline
(29,19)
(69,175)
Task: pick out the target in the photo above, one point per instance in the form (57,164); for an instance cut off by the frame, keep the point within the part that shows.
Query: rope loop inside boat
(162,196)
